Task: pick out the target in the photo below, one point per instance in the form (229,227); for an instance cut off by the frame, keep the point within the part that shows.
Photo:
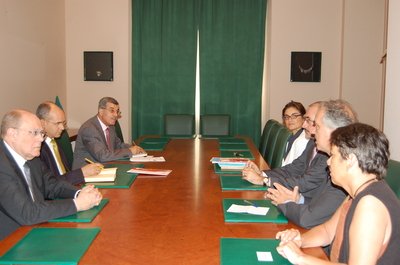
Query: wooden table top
(172,220)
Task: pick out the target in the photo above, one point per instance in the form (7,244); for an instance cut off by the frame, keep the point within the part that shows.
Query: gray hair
(338,113)
(43,110)
(103,102)
(11,119)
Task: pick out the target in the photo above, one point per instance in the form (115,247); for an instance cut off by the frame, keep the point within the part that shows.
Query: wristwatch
(267,181)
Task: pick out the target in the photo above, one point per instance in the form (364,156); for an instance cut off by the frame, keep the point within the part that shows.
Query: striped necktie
(108,138)
(58,157)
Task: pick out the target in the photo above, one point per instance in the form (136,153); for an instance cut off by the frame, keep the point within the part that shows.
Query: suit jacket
(72,176)
(16,205)
(321,197)
(91,143)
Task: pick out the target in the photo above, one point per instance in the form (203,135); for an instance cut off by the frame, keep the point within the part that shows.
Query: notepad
(123,180)
(51,246)
(106,175)
(239,251)
(273,215)
(218,170)
(230,182)
(236,154)
(84,216)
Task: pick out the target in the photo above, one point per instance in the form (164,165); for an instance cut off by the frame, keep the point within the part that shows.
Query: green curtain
(164,62)
(231,62)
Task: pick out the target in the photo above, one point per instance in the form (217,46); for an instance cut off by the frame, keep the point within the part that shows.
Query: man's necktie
(108,138)
(314,153)
(58,157)
(27,172)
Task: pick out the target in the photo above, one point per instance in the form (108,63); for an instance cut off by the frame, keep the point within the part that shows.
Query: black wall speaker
(98,66)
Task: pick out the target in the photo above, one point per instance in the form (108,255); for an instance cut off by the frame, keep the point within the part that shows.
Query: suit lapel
(15,167)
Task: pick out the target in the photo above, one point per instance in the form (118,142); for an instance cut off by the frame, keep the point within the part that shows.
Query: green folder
(83,217)
(237,153)
(123,180)
(218,170)
(156,146)
(231,141)
(273,215)
(237,183)
(62,246)
(239,251)
(155,140)
(235,147)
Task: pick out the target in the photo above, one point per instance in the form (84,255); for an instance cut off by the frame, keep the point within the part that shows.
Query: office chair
(118,131)
(179,125)
(215,125)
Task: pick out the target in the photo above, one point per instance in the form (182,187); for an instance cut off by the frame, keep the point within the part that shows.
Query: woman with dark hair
(366,227)
(292,116)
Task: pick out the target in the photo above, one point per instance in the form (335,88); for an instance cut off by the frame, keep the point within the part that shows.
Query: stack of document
(146,158)
(105,175)
(150,171)
(235,164)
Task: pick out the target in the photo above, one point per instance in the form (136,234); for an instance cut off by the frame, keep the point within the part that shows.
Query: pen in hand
(91,162)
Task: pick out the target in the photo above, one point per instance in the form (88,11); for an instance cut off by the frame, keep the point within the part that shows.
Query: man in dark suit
(303,190)
(97,139)
(29,193)
(53,122)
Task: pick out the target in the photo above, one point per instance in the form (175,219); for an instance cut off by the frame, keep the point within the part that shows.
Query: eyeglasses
(34,133)
(291,117)
(309,121)
(113,111)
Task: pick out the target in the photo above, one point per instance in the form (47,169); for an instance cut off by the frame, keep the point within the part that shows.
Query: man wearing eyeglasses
(53,122)
(97,140)
(29,192)
(302,190)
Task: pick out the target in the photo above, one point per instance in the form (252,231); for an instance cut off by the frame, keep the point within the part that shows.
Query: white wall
(98,25)
(363,40)
(350,36)
(42,44)
(32,53)
(392,102)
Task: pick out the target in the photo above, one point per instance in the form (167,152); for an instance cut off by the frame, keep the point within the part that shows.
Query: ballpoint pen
(237,154)
(251,203)
(91,162)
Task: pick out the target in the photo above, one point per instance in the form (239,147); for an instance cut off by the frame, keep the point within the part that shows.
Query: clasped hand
(88,197)
(281,194)
(252,174)
(290,244)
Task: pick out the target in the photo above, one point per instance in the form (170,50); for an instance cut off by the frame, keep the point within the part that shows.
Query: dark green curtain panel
(231,62)
(164,62)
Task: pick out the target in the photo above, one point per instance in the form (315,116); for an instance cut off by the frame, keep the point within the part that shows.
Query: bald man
(29,192)
(53,122)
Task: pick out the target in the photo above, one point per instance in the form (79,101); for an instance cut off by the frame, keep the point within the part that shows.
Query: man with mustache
(97,140)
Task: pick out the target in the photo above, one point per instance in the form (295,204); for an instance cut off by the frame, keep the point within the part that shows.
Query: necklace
(359,187)
(306,71)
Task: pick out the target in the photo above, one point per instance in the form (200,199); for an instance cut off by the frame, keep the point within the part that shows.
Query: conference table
(176,219)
